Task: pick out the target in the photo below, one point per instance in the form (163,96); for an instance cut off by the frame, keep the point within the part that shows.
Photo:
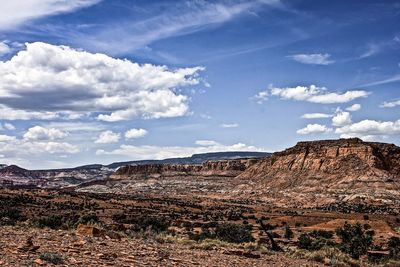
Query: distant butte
(344,169)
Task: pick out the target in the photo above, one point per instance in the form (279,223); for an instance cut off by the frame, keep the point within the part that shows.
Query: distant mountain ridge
(57,178)
(195,158)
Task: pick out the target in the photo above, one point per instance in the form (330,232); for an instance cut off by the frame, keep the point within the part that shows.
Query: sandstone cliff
(345,168)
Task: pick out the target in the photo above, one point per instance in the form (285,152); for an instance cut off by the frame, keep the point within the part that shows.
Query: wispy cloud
(372,49)
(313,59)
(375,48)
(17,12)
(316,116)
(229,125)
(394,78)
(180,19)
(261,97)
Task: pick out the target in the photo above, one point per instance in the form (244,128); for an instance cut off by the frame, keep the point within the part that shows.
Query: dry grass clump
(327,255)
(397,229)
(173,239)
(209,244)
(391,263)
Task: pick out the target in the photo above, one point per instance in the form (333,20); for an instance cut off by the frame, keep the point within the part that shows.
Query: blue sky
(91,81)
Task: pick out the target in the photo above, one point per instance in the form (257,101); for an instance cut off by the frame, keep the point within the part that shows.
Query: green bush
(305,241)
(233,233)
(51,257)
(288,232)
(394,247)
(313,241)
(156,224)
(145,222)
(53,222)
(9,216)
(355,239)
(90,218)
(321,233)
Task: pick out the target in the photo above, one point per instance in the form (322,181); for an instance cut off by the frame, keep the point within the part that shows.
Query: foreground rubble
(20,246)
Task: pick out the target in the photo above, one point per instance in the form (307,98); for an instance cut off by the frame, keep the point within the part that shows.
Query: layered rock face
(317,166)
(229,168)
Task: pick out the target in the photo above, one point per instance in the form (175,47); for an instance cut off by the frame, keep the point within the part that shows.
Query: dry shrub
(327,255)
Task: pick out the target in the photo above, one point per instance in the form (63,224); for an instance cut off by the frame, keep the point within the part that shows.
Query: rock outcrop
(229,168)
(344,169)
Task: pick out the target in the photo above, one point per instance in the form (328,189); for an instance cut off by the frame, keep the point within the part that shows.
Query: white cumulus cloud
(317,94)
(135,133)
(354,107)
(50,147)
(7,113)
(47,81)
(341,118)
(41,133)
(390,104)
(314,129)
(7,138)
(4,48)
(313,59)
(108,137)
(12,147)
(370,128)
(9,126)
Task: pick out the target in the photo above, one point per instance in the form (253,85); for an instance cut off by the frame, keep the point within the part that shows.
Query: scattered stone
(89,230)
(247,254)
(39,262)
(28,246)
(113,235)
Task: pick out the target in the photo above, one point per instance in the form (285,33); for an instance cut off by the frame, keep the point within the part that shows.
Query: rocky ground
(77,250)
